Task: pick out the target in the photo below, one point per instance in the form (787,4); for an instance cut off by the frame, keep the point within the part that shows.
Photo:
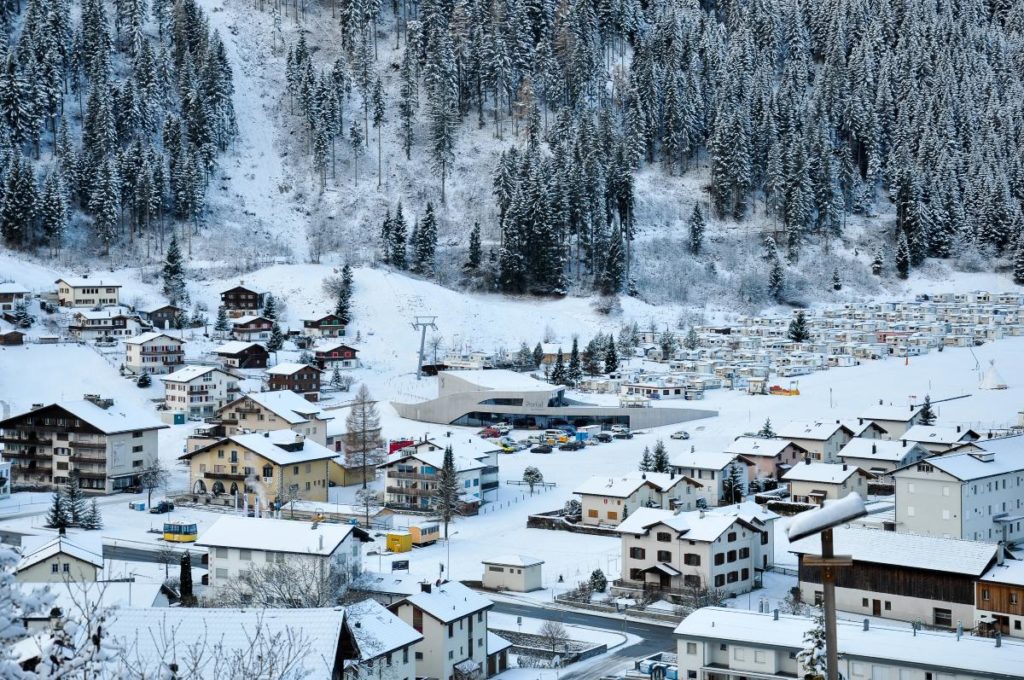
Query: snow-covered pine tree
(18,205)
(538,355)
(611,357)
(356,141)
(74,499)
(798,331)
(646,461)
(270,307)
(766,431)
(574,372)
(877,262)
(221,325)
(691,341)
(660,462)
(399,234)
(377,99)
(776,280)
(408,103)
(174,275)
(837,283)
(425,246)
(558,376)
(343,308)
(93,519)
(902,256)
(927,415)
(475,252)
(58,517)
(446,491)
(813,658)
(696,225)
(276,340)
(1018,261)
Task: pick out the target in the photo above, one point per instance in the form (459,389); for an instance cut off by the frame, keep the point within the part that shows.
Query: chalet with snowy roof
(893,419)
(609,500)
(720,643)
(11,294)
(973,495)
(518,573)
(240,354)
(58,560)
(812,482)
(330,355)
(266,411)
(900,576)
(378,639)
(299,378)
(997,598)
(881,456)
(251,328)
(87,292)
(329,326)
(822,440)
(939,438)
(771,457)
(265,467)
(242,300)
(453,622)
(484,451)
(163,316)
(670,553)
(91,325)
(106,444)
(709,468)
(198,391)
(410,480)
(11,338)
(154,353)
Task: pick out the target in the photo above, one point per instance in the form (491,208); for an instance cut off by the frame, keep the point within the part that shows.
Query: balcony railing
(36,471)
(27,455)
(79,444)
(89,458)
(23,440)
(403,491)
(225,475)
(91,474)
(395,474)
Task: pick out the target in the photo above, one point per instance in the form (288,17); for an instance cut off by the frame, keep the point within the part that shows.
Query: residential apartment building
(453,622)
(771,457)
(198,391)
(265,468)
(164,316)
(241,300)
(976,495)
(816,483)
(718,643)
(895,420)
(609,500)
(410,481)
(900,576)
(154,353)
(999,598)
(673,553)
(267,411)
(105,444)
(471,447)
(940,439)
(710,469)
(85,292)
(299,378)
(382,643)
(822,440)
(881,456)
(117,323)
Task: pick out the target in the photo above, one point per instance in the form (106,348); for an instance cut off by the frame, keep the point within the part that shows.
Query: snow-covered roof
(118,418)
(900,645)
(11,288)
(151,335)
(388,583)
(704,460)
(514,561)
(877,449)
(190,373)
(450,601)
(1010,572)
(999,457)
(747,510)
(104,313)
(69,596)
(819,431)
(496,643)
(938,434)
(289,368)
(85,282)
(825,473)
(500,379)
(329,345)
(435,459)
(248,318)
(288,405)
(377,631)
(462,443)
(56,546)
(899,414)
(269,445)
(692,526)
(759,446)
(905,550)
(225,633)
(275,535)
(627,485)
(234,347)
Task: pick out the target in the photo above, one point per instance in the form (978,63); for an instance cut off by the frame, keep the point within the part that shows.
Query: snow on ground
(497,621)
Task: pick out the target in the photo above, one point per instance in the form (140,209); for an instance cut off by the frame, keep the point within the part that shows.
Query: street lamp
(821,521)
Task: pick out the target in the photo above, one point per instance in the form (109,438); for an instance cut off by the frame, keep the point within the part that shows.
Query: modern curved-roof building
(484,397)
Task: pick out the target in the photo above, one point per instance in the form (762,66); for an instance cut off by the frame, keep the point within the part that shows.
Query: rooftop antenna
(422,323)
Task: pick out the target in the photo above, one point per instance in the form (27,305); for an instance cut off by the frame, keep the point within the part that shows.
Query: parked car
(619,428)
(681,434)
(503,428)
(603,437)
(161,507)
(623,435)
(489,433)
(572,446)
(542,448)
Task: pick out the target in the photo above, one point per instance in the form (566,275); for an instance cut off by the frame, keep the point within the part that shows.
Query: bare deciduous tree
(554,634)
(154,477)
(297,582)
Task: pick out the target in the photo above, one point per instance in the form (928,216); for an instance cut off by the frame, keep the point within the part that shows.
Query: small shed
(10,338)
(518,573)
(399,541)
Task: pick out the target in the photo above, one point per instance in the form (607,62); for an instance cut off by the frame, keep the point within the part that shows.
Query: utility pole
(422,323)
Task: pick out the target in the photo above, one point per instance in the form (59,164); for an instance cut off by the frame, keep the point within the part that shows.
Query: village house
(609,500)
(299,378)
(241,300)
(251,328)
(154,353)
(711,469)
(11,338)
(86,292)
(518,573)
(266,411)
(5,478)
(105,444)
(720,643)
(998,598)
(329,326)
(235,544)
(484,451)
(239,354)
(198,391)
(164,316)
(263,468)
(58,560)
(822,440)
(881,456)
(453,622)
(976,495)
(816,483)
(11,294)
(330,355)
(940,439)
(771,457)
(893,419)
(675,553)
(410,480)
(117,323)
(382,643)
(899,576)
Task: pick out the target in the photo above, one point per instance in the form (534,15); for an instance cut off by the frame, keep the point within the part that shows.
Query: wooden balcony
(225,475)
(403,491)
(395,474)
(89,445)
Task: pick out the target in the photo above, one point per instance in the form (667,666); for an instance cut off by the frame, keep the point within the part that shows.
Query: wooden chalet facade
(335,355)
(11,338)
(163,317)
(10,295)
(242,300)
(251,328)
(299,378)
(330,326)
(999,600)
(241,354)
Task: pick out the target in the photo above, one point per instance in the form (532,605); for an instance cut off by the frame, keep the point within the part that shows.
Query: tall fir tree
(446,491)
(697,226)
(660,462)
(574,372)
(174,275)
(902,256)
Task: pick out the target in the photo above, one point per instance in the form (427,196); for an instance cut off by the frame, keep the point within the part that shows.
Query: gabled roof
(377,631)
(236,347)
(704,460)
(817,431)
(514,561)
(11,288)
(824,473)
(900,414)
(435,459)
(115,312)
(190,373)
(330,346)
(449,601)
(285,404)
(626,486)
(693,526)
(118,418)
(152,335)
(1010,572)
(998,457)
(759,446)
(290,369)
(268,445)
(910,551)
(59,546)
(162,307)
(939,434)
(894,450)
(275,535)
(85,282)
(240,287)
(248,318)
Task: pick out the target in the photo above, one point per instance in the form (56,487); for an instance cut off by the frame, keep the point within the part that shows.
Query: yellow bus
(177,531)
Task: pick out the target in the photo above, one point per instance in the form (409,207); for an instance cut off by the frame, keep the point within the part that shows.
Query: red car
(489,433)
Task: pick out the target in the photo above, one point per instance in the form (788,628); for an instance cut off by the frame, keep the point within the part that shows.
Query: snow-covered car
(623,435)
(572,446)
(619,428)
(603,437)
(543,448)
(681,434)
